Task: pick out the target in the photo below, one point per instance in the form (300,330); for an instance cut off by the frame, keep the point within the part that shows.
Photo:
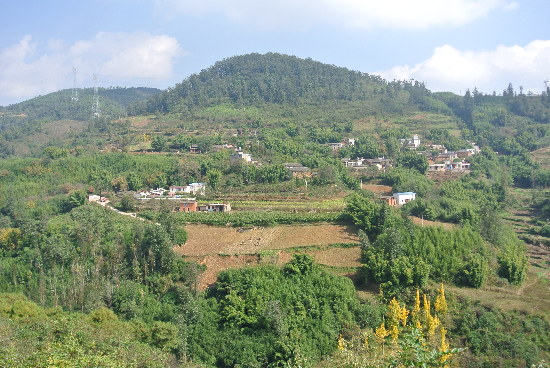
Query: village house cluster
(439,159)
(181,193)
(445,161)
(173,192)
(346,142)
(380,163)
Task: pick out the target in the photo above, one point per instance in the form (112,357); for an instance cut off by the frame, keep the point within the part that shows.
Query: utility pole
(74,93)
(96,110)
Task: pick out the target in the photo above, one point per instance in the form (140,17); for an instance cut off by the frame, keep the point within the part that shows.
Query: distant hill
(272,91)
(58,105)
(275,78)
(28,126)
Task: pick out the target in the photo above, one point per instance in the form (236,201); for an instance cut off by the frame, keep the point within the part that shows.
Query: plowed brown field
(221,248)
(206,240)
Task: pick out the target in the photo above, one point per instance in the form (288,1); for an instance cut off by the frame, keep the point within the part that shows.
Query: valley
(275,211)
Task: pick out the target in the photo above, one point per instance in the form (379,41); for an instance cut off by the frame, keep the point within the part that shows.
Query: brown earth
(378,189)
(206,240)
(222,248)
(328,256)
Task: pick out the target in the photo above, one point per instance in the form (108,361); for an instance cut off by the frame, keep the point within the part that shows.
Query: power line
(96,110)
(74,94)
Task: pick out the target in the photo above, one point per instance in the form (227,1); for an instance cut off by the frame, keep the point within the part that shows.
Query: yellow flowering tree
(440,301)
(413,344)
(381,333)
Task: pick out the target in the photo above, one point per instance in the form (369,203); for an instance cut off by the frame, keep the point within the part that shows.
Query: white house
(142,195)
(415,141)
(158,191)
(240,156)
(193,188)
(93,198)
(402,198)
(412,143)
(197,188)
(176,189)
(215,207)
(335,146)
(360,161)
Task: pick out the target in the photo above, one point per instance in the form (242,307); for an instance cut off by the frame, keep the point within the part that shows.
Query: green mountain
(128,300)
(55,119)
(280,79)
(273,90)
(59,105)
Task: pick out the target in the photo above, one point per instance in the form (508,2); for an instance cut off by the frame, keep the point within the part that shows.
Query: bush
(512,264)
(102,315)
(404,179)
(473,271)
(413,160)
(268,316)
(545,231)
(127,204)
(420,208)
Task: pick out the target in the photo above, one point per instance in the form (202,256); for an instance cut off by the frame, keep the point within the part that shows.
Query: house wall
(402,198)
(390,201)
(188,207)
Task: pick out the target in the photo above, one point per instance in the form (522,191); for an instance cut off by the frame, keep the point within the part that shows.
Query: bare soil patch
(329,256)
(222,248)
(138,122)
(338,257)
(378,189)
(206,240)
(216,264)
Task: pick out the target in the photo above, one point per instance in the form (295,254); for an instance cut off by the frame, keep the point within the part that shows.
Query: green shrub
(473,272)
(513,264)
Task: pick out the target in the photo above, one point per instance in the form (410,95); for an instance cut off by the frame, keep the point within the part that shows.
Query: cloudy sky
(451,45)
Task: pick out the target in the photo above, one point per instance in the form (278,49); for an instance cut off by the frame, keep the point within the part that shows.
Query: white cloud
(122,55)
(400,14)
(29,68)
(449,69)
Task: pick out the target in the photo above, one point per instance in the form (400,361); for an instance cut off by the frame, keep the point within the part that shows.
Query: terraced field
(220,248)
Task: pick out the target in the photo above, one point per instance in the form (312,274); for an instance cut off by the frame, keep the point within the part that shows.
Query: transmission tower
(74,94)
(96,110)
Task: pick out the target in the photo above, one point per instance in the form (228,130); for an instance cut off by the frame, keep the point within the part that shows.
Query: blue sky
(451,45)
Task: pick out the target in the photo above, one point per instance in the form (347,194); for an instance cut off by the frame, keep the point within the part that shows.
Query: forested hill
(273,78)
(59,105)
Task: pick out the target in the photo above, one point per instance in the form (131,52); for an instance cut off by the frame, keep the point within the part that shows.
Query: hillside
(55,119)
(261,284)
(250,92)
(280,79)
(58,105)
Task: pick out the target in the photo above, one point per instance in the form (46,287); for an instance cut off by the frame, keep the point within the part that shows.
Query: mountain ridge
(273,78)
